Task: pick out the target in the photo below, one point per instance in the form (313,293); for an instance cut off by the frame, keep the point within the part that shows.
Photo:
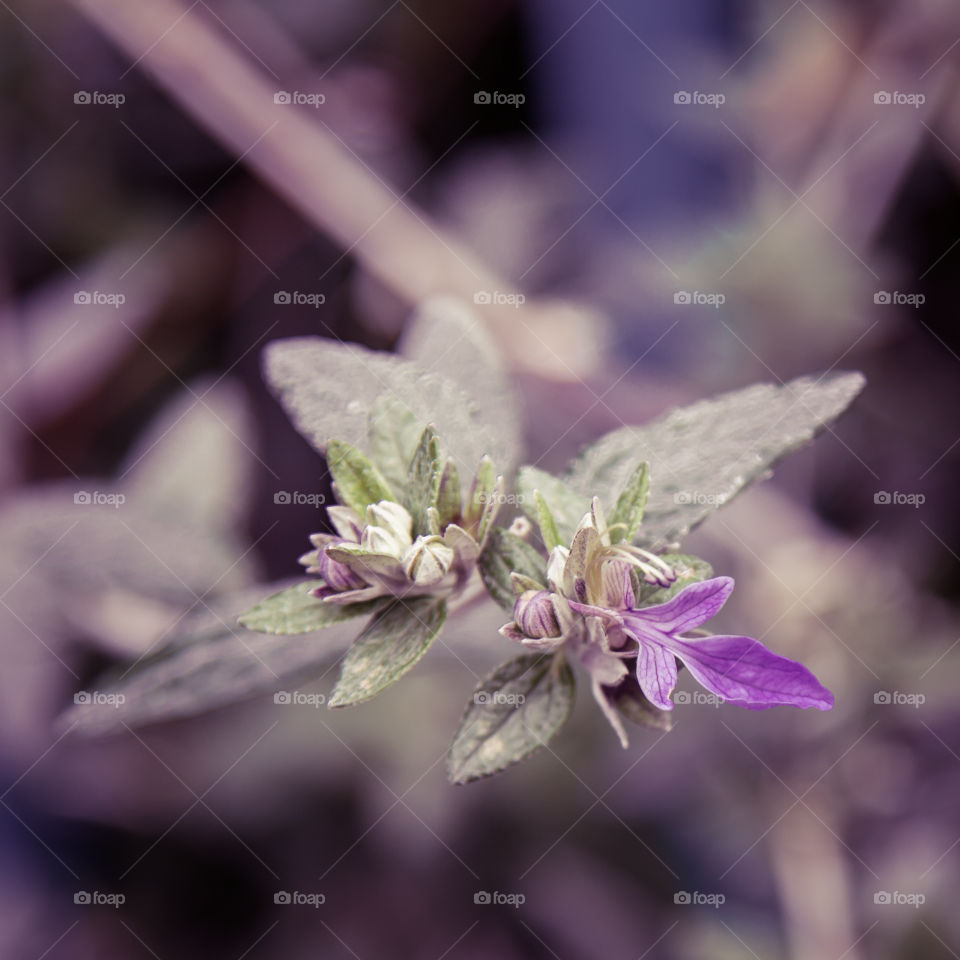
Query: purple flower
(740,670)
(591,611)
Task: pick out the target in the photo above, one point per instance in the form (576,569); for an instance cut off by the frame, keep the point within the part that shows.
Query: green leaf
(689,569)
(630,702)
(506,553)
(514,711)
(393,434)
(359,482)
(627,515)
(484,482)
(293,611)
(394,640)
(703,455)
(566,505)
(423,481)
(546,523)
(448,495)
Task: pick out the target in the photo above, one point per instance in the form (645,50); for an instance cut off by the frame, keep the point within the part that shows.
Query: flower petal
(743,670)
(656,674)
(692,606)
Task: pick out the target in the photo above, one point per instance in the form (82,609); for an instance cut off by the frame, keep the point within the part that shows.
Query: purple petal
(656,674)
(692,606)
(742,669)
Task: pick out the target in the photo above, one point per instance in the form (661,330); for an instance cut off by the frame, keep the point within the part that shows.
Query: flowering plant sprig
(400,551)
(624,615)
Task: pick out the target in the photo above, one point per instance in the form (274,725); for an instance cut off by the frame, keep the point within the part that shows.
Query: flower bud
(428,561)
(388,529)
(535,614)
(336,575)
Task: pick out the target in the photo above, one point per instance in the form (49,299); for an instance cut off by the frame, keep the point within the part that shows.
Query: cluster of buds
(379,555)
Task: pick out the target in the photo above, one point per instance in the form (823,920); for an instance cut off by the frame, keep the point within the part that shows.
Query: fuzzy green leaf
(506,553)
(423,481)
(627,515)
(546,523)
(514,711)
(394,640)
(358,482)
(293,611)
(393,435)
(567,507)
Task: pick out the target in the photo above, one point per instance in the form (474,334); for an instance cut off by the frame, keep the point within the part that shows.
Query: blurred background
(692,197)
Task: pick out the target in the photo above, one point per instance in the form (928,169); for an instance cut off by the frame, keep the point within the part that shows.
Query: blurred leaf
(702,455)
(484,482)
(359,482)
(311,377)
(630,506)
(506,553)
(630,702)
(514,711)
(294,610)
(393,434)
(448,495)
(389,646)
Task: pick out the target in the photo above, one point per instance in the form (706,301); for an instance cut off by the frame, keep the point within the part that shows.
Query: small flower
(428,561)
(603,628)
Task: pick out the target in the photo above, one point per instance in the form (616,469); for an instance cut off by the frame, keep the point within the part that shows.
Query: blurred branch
(320,176)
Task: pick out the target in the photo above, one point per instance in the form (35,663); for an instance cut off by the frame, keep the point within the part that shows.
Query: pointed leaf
(484,481)
(566,505)
(625,520)
(506,553)
(423,481)
(394,433)
(359,483)
(514,711)
(396,638)
(448,496)
(546,523)
(294,610)
(702,455)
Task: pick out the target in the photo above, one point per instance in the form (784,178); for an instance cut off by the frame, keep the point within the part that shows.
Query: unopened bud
(336,575)
(428,561)
(535,614)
